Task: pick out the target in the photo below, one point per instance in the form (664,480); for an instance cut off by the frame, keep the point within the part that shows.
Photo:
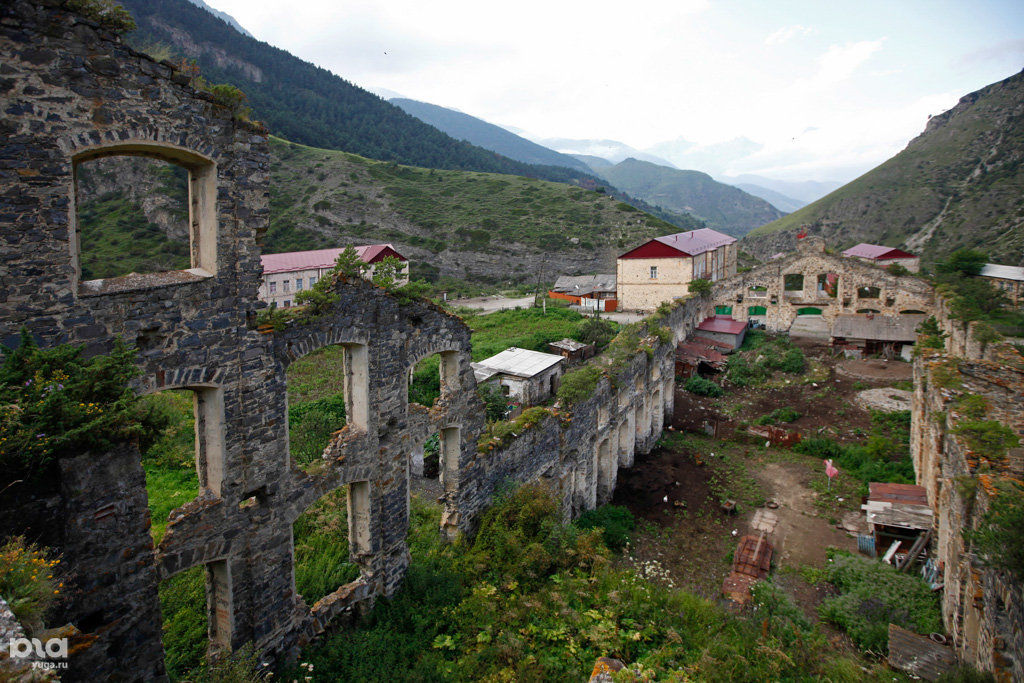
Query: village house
(588,291)
(284,275)
(524,376)
(661,270)
(884,256)
(1010,279)
(723,329)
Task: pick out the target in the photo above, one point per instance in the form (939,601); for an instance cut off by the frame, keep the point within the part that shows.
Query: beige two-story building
(662,269)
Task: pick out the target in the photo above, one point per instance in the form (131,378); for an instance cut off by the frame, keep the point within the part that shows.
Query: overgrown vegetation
(28,582)
(779,416)
(702,386)
(885,456)
(532,599)
(988,438)
(615,522)
(974,299)
(873,595)
(579,385)
(321,548)
(761,356)
(59,403)
(998,539)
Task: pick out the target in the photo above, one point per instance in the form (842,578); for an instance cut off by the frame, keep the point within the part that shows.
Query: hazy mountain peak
(227,18)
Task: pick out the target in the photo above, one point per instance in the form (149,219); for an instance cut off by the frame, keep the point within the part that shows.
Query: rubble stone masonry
(73,92)
(982,608)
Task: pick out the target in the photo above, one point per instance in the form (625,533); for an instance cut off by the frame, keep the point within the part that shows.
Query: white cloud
(788,33)
(841,61)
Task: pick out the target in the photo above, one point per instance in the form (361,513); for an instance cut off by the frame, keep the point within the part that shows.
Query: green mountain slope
(487,135)
(777,199)
(722,206)
(477,227)
(465,226)
(958,184)
(306,103)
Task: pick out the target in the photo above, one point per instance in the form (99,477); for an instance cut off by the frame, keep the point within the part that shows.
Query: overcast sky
(828,88)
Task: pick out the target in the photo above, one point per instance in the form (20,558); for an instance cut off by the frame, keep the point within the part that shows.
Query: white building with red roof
(661,270)
(286,274)
(884,256)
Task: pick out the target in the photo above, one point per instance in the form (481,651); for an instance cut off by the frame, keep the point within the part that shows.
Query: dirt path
(801,535)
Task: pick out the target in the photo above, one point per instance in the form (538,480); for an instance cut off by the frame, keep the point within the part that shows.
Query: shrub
(778,416)
(58,403)
(700,287)
(702,387)
(495,404)
(27,581)
(616,524)
(972,406)
(578,385)
(793,362)
(874,595)
(987,437)
(107,13)
(595,331)
(998,539)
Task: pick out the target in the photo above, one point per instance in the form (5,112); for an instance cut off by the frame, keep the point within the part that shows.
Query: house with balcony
(285,275)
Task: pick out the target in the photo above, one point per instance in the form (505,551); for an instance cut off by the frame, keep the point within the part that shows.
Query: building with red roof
(286,274)
(661,270)
(884,256)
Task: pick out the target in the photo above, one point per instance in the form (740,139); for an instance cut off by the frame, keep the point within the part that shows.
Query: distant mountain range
(805,191)
(957,184)
(610,150)
(721,206)
(224,16)
(487,135)
(776,199)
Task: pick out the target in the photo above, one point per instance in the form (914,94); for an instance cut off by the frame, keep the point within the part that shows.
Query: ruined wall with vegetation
(765,286)
(76,93)
(967,423)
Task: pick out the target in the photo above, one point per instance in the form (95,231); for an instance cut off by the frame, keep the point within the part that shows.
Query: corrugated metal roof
(322,258)
(876,251)
(1003,272)
(482,373)
(878,328)
(521,362)
(722,323)
(687,243)
(580,285)
(568,344)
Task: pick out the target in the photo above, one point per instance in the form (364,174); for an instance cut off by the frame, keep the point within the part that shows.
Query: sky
(825,89)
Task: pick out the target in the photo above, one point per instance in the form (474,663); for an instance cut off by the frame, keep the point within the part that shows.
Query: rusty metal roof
(897,493)
(722,323)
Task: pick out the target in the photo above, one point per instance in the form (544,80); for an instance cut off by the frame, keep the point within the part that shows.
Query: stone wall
(765,286)
(74,92)
(982,608)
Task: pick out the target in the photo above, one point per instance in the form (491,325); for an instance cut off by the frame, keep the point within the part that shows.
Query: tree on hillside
(964,262)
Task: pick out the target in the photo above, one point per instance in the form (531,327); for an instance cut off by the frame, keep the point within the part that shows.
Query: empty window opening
(828,285)
(188,455)
(910,311)
(868,292)
(185,613)
(427,458)
(869,311)
(321,540)
(327,390)
(793,283)
(757,291)
(430,374)
(132,216)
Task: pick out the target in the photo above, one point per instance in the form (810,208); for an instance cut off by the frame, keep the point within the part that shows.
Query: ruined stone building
(982,607)
(806,291)
(72,93)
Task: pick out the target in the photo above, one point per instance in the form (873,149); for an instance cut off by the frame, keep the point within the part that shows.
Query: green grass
(532,599)
(352,198)
(321,548)
(117,240)
(529,328)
